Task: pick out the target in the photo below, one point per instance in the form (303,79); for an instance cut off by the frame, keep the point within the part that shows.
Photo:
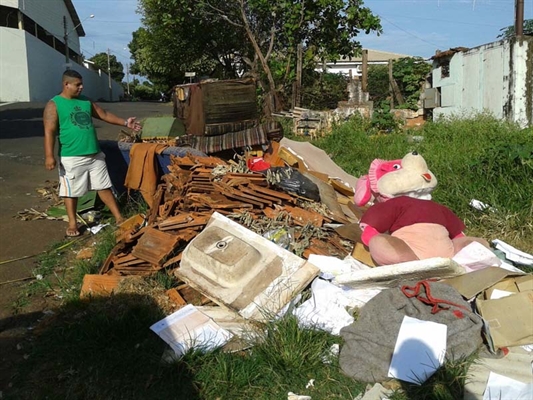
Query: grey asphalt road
(22,172)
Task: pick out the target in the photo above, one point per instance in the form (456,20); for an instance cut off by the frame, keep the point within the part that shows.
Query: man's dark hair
(70,73)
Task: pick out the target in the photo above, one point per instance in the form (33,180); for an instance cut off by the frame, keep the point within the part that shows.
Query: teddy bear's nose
(414,153)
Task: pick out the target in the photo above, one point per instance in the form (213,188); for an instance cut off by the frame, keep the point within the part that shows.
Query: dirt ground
(21,173)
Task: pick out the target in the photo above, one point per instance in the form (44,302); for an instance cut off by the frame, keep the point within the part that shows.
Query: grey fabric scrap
(369,342)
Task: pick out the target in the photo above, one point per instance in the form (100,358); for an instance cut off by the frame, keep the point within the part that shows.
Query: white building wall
(13,65)
(492,78)
(30,70)
(49,14)
(46,66)
(10,3)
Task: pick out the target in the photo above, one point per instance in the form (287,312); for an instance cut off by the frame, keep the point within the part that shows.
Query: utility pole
(364,71)
(297,86)
(109,76)
(391,88)
(128,77)
(65,39)
(519,18)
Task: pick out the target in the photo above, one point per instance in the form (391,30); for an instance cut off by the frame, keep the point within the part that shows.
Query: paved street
(22,172)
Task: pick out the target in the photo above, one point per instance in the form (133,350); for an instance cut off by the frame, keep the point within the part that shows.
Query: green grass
(479,158)
(447,383)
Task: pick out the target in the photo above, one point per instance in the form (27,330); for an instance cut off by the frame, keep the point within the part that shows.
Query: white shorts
(78,175)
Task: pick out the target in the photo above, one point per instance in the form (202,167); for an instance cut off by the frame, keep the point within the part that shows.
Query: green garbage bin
(162,128)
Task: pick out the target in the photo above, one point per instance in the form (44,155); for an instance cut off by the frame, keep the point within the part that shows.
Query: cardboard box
(509,319)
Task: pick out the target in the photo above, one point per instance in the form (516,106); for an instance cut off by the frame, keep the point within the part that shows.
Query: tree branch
(220,13)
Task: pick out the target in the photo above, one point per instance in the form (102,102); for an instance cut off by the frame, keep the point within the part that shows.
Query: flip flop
(72,232)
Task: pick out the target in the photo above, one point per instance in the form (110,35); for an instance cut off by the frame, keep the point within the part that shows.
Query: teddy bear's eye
(396,166)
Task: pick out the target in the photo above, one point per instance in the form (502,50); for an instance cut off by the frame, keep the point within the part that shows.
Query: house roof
(75,18)
(375,56)
(448,53)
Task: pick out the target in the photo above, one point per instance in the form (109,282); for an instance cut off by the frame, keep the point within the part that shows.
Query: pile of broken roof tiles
(183,205)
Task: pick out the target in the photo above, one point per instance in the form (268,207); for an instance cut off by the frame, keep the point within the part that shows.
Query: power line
(442,20)
(409,33)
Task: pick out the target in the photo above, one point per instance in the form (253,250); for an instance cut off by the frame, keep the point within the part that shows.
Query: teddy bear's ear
(362,191)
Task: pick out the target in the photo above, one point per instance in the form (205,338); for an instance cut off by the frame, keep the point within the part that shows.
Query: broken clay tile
(85,254)
(303,217)
(176,297)
(100,285)
(154,246)
(155,204)
(175,220)
(273,193)
(258,195)
(172,261)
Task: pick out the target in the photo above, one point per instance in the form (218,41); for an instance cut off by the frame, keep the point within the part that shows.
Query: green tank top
(77,135)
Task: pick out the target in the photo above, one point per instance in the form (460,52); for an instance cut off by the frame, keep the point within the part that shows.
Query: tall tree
(508,32)
(233,33)
(116,67)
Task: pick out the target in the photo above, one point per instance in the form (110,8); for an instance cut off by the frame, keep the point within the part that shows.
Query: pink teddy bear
(404,224)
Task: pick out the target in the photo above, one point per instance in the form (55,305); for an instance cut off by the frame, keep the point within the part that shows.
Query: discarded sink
(245,269)
(242,270)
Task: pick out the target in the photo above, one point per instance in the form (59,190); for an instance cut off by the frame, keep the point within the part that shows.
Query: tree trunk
(272,104)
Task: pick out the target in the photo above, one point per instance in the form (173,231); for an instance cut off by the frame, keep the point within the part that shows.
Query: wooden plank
(342,188)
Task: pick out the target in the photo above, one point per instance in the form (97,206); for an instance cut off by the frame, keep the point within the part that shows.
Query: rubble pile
(194,189)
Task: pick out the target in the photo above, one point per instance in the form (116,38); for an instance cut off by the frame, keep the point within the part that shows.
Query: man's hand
(132,124)
(50,163)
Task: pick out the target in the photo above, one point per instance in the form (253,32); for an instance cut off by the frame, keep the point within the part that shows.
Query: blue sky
(413,27)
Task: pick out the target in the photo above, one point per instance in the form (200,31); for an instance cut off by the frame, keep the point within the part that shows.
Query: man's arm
(50,121)
(99,113)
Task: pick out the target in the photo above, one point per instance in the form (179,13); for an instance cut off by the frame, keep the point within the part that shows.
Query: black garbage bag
(292,181)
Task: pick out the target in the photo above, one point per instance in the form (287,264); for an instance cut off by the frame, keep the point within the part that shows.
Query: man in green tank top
(81,163)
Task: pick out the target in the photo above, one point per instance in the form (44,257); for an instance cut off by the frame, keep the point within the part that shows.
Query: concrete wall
(13,65)
(30,70)
(45,67)
(10,3)
(496,77)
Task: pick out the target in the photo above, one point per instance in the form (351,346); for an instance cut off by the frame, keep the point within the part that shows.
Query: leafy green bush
(383,120)
(409,73)
(322,91)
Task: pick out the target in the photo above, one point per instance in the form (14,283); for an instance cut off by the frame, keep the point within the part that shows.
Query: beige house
(354,64)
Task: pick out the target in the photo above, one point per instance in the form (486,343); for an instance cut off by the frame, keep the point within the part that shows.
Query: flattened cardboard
(510,319)
(473,283)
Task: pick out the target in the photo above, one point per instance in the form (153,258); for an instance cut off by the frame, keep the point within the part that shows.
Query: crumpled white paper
(512,253)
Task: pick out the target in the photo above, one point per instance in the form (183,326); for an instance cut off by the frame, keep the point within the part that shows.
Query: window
(8,17)
(445,68)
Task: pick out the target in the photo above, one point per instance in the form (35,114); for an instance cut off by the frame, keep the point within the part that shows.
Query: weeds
(447,383)
(478,158)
